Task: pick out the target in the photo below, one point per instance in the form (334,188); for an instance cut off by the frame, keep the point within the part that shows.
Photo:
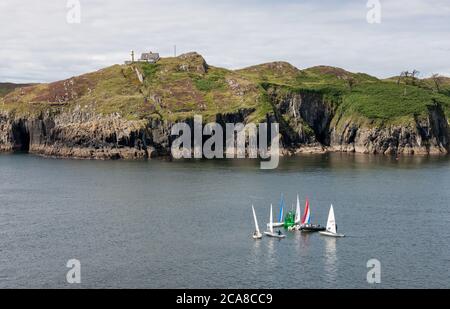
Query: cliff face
(315,123)
(126,112)
(428,135)
(312,126)
(305,117)
(83,135)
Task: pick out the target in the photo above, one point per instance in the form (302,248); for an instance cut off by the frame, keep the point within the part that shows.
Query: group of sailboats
(294,221)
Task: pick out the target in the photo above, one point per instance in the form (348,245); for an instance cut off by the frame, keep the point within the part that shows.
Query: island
(126,111)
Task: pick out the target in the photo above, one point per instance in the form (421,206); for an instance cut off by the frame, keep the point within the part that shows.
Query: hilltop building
(149,57)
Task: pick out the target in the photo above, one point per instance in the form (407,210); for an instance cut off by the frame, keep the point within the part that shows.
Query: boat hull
(274,235)
(329,234)
(276,224)
(257,236)
(312,228)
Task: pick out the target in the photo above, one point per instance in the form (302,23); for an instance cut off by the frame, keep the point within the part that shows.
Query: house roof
(150,56)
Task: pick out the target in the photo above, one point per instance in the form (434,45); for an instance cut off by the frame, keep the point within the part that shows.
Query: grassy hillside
(176,88)
(184,86)
(362,95)
(6,88)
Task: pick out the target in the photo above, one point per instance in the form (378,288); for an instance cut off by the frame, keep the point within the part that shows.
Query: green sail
(289,220)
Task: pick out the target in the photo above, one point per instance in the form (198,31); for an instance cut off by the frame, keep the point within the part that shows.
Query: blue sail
(280,217)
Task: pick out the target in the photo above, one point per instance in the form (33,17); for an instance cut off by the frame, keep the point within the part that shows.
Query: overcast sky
(38,44)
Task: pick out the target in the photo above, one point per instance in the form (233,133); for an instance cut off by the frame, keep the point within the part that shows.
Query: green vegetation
(212,81)
(365,97)
(150,70)
(4,91)
(179,87)
(386,101)
(6,88)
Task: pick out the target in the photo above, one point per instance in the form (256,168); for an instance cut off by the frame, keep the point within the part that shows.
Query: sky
(38,44)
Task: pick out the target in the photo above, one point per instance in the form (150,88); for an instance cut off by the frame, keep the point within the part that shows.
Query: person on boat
(279,232)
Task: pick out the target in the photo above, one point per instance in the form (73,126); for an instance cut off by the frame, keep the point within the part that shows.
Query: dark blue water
(161,224)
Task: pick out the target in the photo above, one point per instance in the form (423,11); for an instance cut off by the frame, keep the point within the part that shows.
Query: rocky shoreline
(126,112)
(84,135)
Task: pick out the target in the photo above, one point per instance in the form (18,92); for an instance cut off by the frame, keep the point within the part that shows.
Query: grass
(6,88)
(210,82)
(384,101)
(150,71)
(4,91)
(176,88)
(369,98)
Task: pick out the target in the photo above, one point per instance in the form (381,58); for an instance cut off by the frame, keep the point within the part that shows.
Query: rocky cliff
(126,112)
(317,124)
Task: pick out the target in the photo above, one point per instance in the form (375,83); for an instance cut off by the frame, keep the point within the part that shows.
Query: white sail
(256,221)
(331,223)
(271,220)
(298,214)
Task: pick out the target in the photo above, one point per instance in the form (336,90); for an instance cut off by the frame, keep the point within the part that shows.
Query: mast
(271,219)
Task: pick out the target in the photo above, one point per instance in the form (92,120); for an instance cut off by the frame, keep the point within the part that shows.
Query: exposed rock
(193,62)
(89,116)
(424,136)
(81,134)
(77,135)
(310,111)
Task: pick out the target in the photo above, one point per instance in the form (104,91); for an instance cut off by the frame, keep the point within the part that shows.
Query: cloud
(39,45)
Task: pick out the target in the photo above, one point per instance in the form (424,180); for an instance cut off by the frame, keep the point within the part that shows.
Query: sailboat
(298,213)
(257,234)
(289,220)
(306,225)
(307,215)
(280,222)
(270,232)
(298,216)
(331,225)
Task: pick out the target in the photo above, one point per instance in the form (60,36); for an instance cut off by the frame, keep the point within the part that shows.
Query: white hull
(257,236)
(275,235)
(294,228)
(276,224)
(331,234)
